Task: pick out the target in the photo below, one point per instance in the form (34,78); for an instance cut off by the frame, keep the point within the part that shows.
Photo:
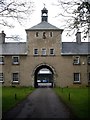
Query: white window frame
(15,81)
(35,51)
(17,62)
(1,77)
(2,60)
(88,60)
(43,51)
(53,51)
(79,77)
(76,60)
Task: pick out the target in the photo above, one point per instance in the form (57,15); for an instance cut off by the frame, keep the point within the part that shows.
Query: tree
(14,9)
(77,14)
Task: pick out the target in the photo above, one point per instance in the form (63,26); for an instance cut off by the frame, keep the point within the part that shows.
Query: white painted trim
(15,63)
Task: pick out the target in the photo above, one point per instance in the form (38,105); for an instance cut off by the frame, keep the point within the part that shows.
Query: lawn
(13,95)
(77,99)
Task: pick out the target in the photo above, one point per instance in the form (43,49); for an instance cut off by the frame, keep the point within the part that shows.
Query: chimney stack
(78,37)
(2,37)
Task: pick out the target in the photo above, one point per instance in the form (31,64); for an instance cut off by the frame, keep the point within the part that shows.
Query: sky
(35,18)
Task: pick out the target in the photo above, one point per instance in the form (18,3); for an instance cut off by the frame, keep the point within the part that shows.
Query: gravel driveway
(42,103)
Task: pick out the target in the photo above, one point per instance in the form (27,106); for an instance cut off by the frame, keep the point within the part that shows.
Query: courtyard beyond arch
(44,76)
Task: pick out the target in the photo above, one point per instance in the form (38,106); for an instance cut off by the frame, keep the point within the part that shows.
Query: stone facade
(20,63)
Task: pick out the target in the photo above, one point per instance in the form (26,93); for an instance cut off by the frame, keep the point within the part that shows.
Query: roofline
(44,29)
(22,54)
(70,54)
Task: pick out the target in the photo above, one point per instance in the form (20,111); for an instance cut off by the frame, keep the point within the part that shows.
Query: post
(15,96)
(62,89)
(69,96)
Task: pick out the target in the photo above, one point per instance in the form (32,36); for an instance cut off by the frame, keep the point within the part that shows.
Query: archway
(44,76)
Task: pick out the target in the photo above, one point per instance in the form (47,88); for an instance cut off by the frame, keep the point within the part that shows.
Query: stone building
(44,60)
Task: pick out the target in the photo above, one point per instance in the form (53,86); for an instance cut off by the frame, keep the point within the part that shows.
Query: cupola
(44,15)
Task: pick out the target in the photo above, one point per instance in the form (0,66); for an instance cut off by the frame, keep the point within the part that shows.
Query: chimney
(2,37)
(78,37)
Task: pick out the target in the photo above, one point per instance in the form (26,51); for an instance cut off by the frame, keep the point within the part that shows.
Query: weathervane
(44,4)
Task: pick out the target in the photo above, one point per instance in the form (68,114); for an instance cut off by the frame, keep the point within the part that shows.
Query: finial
(44,4)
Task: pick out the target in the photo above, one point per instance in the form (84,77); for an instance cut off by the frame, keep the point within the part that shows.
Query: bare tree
(14,9)
(76,14)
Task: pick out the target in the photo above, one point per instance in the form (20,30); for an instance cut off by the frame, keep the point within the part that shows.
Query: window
(88,60)
(15,77)
(43,51)
(51,34)
(1,77)
(76,77)
(88,77)
(1,59)
(51,51)
(35,51)
(15,59)
(44,35)
(37,34)
(76,60)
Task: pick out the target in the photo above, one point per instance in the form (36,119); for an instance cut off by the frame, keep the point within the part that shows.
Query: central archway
(44,76)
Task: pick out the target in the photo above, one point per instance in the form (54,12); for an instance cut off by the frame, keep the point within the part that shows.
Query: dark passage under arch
(43,76)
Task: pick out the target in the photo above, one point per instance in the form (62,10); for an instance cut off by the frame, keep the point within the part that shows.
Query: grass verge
(13,95)
(77,99)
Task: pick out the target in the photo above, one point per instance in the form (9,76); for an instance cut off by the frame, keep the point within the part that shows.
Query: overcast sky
(35,18)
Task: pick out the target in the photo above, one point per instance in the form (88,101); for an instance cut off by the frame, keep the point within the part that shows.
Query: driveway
(42,103)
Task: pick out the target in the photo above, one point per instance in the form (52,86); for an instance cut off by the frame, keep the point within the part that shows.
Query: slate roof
(72,48)
(15,48)
(44,26)
(68,48)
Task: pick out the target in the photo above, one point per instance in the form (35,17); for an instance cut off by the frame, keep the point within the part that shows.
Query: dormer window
(76,60)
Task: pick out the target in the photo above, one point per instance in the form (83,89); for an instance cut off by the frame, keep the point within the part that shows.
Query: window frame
(1,60)
(76,60)
(15,77)
(53,51)
(1,77)
(44,50)
(15,62)
(89,77)
(79,77)
(88,60)
(35,52)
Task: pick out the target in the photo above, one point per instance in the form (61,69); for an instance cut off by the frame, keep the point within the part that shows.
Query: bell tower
(44,15)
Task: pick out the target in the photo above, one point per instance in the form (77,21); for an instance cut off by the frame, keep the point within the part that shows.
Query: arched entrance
(44,76)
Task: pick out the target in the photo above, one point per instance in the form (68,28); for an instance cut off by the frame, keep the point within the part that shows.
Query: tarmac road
(42,103)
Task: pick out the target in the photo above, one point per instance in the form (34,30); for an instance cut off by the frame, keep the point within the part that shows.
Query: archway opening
(43,76)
